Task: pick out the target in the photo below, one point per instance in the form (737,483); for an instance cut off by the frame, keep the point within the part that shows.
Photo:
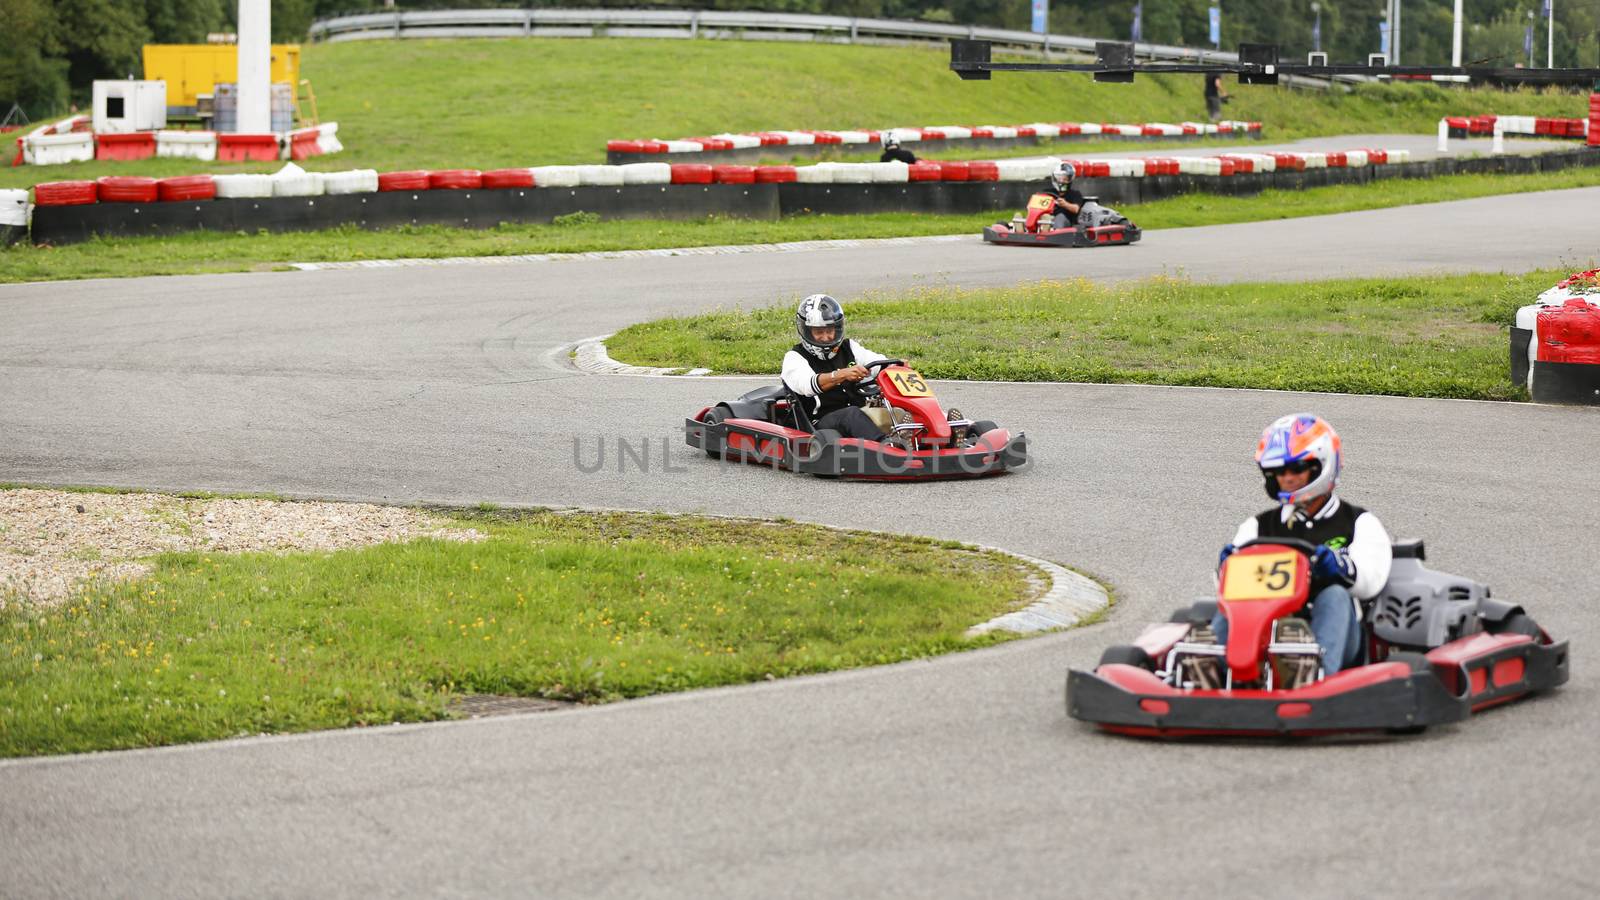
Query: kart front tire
(979,429)
(1200,612)
(1516,623)
(715,417)
(1127,655)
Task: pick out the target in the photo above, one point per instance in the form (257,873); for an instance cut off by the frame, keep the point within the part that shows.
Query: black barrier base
(11,234)
(1519,355)
(389,209)
(487,208)
(1574,383)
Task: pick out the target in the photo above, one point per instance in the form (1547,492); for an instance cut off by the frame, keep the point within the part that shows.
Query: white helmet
(819,311)
(1299,442)
(1062,176)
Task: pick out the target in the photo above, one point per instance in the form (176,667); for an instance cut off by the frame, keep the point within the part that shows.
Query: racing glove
(1333,564)
(1227,551)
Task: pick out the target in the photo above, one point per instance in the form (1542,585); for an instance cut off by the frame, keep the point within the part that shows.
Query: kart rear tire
(1127,655)
(715,417)
(1516,623)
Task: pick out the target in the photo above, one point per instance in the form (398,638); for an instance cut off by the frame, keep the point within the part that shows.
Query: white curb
(1071,599)
(590,356)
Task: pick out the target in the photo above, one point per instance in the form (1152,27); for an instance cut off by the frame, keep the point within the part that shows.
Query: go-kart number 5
(909,383)
(1041,201)
(1260,576)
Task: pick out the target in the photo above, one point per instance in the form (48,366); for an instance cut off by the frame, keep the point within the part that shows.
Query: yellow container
(190,69)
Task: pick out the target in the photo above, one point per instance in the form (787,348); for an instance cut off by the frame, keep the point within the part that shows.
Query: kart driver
(1300,458)
(827,368)
(893,152)
(1068,200)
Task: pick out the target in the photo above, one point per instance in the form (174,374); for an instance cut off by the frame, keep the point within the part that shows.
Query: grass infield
(588,607)
(203,252)
(1418,337)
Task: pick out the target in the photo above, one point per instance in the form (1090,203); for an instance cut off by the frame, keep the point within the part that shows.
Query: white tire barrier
(55,149)
(606,176)
(355,181)
(889,172)
(244,185)
(555,176)
(854,137)
(328,138)
(797,138)
(293,181)
(818,174)
(14,207)
(740,141)
(848,173)
(643,173)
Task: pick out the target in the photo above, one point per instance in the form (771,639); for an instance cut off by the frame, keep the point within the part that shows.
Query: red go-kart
(771,426)
(1036,228)
(1436,649)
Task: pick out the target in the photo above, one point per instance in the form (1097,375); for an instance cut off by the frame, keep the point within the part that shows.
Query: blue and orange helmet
(1300,441)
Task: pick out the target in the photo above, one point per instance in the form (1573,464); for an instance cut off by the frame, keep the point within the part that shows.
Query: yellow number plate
(908,382)
(1041,201)
(1260,576)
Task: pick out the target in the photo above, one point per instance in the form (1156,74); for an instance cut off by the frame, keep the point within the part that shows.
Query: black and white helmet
(817,312)
(1062,176)
(890,142)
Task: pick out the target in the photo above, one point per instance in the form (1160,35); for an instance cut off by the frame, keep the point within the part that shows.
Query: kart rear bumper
(1383,696)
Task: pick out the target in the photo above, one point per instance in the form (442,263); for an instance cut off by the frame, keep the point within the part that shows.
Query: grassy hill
(518,102)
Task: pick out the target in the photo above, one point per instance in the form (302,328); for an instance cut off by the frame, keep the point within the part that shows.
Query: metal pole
(1394,39)
(1550,45)
(1455,38)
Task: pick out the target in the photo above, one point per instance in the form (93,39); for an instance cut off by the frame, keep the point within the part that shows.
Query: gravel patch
(52,541)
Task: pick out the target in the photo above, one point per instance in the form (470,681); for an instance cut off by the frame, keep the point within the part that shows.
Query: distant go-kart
(1436,649)
(771,426)
(1036,227)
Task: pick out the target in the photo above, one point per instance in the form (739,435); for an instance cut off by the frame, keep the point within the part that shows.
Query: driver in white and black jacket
(828,369)
(1300,457)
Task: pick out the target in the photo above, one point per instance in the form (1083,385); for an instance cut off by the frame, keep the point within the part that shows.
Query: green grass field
(587,607)
(493,103)
(199,252)
(1417,337)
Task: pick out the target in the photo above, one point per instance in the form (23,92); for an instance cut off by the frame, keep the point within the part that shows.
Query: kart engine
(1293,659)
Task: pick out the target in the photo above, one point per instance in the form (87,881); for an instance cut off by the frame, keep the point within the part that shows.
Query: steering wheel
(869,387)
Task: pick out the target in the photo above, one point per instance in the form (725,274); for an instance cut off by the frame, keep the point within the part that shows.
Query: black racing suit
(898,154)
(839,409)
(1064,218)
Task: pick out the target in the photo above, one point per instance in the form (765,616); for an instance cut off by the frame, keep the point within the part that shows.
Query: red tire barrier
(1378,157)
(410,180)
(825,137)
(1069,128)
(1337,160)
(1191,129)
(65,193)
(932,134)
(623,147)
(769,139)
(983,170)
(776,174)
(455,179)
(186,187)
(1027,132)
(247,147)
(125,146)
(508,178)
(652,146)
(126,189)
(691,173)
(955,170)
(983,132)
(1288,162)
(925,170)
(711,143)
(733,174)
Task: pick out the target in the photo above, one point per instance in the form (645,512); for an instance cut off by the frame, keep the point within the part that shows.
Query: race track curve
(955,777)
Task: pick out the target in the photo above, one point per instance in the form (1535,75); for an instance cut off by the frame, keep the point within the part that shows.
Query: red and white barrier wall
(906,135)
(1540,126)
(70,141)
(1555,342)
(292,181)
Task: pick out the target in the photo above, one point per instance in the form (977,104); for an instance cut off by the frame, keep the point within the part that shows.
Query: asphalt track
(956,777)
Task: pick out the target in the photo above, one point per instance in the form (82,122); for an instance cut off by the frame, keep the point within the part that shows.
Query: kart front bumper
(1388,696)
(1065,237)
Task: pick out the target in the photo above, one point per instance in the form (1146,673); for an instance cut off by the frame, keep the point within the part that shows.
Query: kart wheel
(979,429)
(1200,612)
(1127,655)
(715,417)
(1516,623)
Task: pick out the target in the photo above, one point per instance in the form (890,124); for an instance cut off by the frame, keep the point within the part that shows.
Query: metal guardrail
(713,24)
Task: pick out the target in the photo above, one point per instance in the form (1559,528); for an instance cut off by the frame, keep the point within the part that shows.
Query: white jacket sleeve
(863,355)
(1373,553)
(1249,530)
(798,376)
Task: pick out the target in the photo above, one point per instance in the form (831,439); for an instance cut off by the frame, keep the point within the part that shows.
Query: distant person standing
(1215,95)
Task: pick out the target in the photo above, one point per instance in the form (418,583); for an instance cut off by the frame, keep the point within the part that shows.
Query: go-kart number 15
(909,383)
(1260,576)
